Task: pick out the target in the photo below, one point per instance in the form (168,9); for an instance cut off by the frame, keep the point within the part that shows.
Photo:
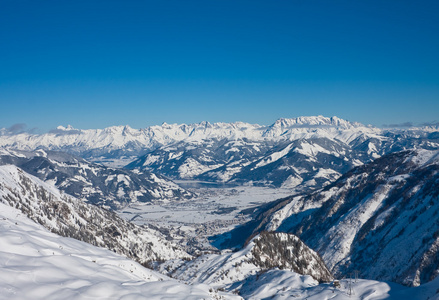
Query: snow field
(36,264)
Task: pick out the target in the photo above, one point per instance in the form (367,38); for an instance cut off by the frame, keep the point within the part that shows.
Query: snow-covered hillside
(71,217)
(264,252)
(282,285)
(109,187)
(360,200)
(246,273)
(36,264)
(380,218)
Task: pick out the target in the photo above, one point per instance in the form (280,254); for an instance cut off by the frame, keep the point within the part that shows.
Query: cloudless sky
(94,64)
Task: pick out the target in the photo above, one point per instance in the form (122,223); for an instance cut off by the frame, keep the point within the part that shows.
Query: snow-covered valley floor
(213,211)
(212,204)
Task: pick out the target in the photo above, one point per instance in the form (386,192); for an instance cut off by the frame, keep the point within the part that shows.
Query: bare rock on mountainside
(70,217)
(264,252)
(286,251)
(381,218)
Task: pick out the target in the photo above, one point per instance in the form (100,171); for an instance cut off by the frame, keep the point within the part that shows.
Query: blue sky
(94,64)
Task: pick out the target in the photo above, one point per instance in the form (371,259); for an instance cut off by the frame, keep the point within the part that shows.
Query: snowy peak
(169,133)
(241,152)
(305,127)
(305,151)
(314,122)
(117,137)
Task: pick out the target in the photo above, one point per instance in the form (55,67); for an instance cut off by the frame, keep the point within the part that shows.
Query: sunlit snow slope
(70,217)
(381,218)
(36,264)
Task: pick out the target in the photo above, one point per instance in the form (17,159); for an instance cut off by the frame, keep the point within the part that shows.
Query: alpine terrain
(104,186)
(305,152)
(381,218)
(306,208)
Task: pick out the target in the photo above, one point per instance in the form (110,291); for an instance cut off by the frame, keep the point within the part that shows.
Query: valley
(241,211)
(213,211)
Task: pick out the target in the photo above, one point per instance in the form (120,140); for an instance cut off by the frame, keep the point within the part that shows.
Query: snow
(151,159)
(213,211)
(343,233)
(204,207)
(292,182)
(425,157)
(275,156)
(310,149)
(234,271)
(280,285)
(120,137)
(191,168)
(36,264)
(327,173)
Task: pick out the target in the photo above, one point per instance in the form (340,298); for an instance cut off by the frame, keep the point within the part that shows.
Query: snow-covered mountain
(37,264)
(97,184)
(283,153)
(250,273)
(119,144)
(305,151)
(264,252)
(71,217)
(381,218)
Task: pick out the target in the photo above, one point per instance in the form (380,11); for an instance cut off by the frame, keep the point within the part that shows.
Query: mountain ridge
(108,187)
(380,218)
(70,217)
(306,151)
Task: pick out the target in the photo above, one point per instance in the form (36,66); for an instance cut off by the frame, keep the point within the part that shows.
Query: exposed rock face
(287,251)
(266,251)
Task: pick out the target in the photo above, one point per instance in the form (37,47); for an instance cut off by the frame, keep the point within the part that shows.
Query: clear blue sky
(94,64)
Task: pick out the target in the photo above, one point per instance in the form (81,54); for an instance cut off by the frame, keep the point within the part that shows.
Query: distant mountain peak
(69,127)
(315,121)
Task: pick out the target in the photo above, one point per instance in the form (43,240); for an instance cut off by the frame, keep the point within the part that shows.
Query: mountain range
(104,186)
(363,200)
(304,152)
